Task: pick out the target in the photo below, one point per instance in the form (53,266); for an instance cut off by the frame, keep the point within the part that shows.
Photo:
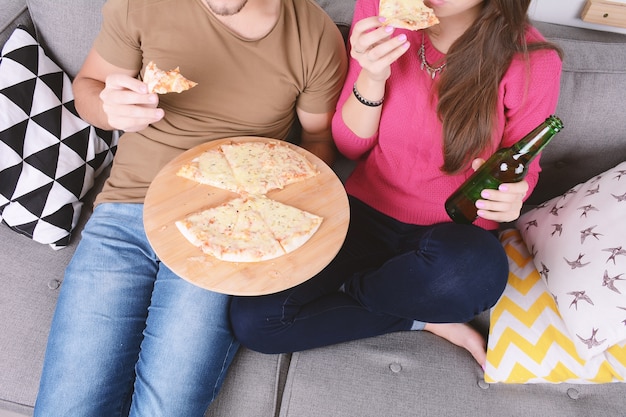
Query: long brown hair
(468,88)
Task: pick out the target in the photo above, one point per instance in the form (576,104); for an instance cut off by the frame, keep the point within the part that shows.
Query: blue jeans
(128,336)
(387,276)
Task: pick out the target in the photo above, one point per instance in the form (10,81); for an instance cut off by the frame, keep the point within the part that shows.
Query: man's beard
(229,10)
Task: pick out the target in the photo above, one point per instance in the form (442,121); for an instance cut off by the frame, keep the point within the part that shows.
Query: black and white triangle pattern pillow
(49,156)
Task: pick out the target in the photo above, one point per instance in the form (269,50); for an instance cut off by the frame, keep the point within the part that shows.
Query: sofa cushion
(340,11)
(591,106)
(14,13)
(49,156)
(257,377)
(68,40)
(579,245)
(528,340)
(420,374)
(30,278)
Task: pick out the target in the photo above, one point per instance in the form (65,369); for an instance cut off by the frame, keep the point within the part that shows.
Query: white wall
(566,12)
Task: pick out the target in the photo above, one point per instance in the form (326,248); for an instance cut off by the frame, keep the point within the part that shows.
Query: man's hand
(128,105)
(112,98)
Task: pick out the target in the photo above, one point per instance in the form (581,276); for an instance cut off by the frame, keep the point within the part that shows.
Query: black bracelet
(364,100)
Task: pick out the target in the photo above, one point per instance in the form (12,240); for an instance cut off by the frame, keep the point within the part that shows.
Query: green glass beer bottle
(507,165)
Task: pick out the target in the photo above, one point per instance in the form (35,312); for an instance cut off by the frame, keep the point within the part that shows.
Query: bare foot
(462,335)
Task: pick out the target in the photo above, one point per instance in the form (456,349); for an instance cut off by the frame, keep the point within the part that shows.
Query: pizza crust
(407,14)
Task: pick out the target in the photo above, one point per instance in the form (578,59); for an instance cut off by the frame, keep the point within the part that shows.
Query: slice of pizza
(407,14)
(233,232)
(162,82)
(291,166)
(249,229)
(253,167)
(290,226)
(211,168)
(260,167)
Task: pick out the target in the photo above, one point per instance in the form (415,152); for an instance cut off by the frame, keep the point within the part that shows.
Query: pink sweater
(398,168)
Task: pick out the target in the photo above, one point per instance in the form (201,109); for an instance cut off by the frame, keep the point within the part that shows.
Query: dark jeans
(393,274)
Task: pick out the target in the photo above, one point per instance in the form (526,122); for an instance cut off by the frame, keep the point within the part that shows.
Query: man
(129,337)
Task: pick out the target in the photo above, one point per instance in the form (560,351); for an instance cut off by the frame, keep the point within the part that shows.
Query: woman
(419,111)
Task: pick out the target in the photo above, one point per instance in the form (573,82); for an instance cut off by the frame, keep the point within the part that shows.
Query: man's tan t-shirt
(245,87)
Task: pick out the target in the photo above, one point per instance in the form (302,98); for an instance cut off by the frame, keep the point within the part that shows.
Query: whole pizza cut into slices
(407,14)
(252,227)
(249,229)
(163,82)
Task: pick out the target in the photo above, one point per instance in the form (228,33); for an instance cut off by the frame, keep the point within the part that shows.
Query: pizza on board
(232,231)
(407,14)
(249,229)
(252,227)
(163,82)
(249,167)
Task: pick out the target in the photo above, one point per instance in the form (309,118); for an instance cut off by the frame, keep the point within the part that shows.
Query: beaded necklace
(425,65)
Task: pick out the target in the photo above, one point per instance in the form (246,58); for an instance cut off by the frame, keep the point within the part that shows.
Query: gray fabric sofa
(401,374)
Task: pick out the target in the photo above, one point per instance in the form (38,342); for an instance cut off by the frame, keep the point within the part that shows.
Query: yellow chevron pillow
(528,341)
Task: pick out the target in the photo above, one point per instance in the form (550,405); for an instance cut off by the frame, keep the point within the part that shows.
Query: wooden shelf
(605,13)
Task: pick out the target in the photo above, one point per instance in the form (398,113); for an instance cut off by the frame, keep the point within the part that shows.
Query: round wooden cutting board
(171,198)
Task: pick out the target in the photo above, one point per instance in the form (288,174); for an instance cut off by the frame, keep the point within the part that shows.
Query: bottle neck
(533,143)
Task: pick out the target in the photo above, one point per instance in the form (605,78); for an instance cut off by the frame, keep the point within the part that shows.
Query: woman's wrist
(367,90)
(365,101)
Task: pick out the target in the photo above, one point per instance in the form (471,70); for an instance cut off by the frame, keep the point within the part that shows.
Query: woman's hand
(127,103)
(503,204)
(375,47)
